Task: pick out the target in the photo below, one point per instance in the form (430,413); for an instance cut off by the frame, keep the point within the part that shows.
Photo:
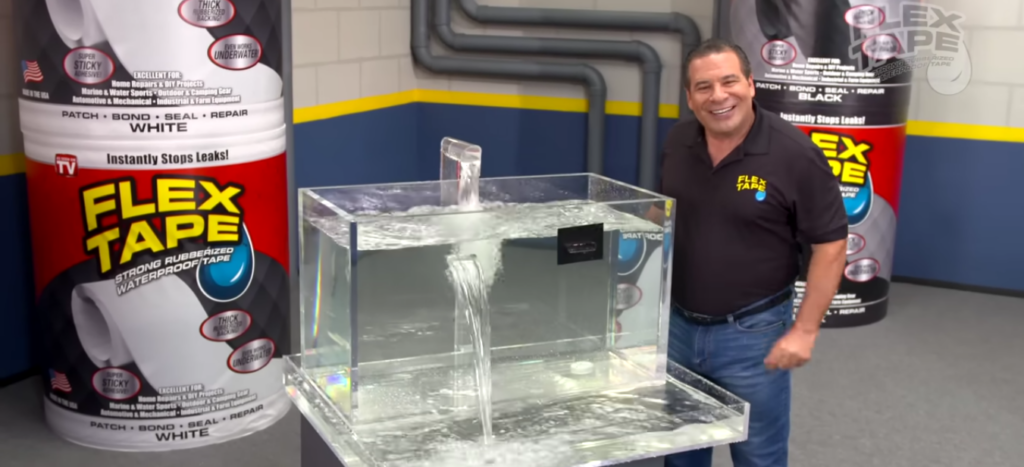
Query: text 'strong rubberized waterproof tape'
(163,288)
(157,178)
(828,68)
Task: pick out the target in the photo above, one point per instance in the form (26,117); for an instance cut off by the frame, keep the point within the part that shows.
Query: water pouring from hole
(472,268)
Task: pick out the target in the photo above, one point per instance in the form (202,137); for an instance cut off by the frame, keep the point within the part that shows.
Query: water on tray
(565,426)
(591,429)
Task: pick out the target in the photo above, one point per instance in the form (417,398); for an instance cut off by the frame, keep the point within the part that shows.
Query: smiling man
(751,190)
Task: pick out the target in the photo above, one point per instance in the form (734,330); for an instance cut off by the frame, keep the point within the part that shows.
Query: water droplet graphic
(228,280)
(761,195)
(950,72)
(628,248)
(631,254)
(858,206)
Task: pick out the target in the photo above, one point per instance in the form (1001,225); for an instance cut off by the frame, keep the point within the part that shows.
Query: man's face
(719,95)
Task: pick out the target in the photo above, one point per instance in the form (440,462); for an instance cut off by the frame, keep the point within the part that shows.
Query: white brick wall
(346,49)
(993,30)
(10,74)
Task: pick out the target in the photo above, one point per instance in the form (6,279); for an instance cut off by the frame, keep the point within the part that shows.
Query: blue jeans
(732,355)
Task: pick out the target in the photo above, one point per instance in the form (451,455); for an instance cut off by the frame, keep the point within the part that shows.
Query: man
(750,189)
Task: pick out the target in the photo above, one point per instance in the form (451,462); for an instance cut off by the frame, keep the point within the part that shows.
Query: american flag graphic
(59,381)
(30,70)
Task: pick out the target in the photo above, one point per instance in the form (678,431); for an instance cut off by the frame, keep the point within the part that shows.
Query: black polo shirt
(740,225)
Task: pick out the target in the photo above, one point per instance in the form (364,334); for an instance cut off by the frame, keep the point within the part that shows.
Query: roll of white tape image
(69,21)
(153,53)
(158,328)
(75,22)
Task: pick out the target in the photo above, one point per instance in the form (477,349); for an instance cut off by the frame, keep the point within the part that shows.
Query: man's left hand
(793,350)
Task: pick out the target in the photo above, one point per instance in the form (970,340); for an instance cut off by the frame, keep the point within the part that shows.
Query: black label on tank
(579,244)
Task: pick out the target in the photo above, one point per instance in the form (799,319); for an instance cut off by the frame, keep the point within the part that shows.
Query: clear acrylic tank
(495,321)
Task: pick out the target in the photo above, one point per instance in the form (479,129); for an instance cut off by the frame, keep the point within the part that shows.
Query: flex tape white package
(162,282)
(75,22)
(157,177)
(221,59)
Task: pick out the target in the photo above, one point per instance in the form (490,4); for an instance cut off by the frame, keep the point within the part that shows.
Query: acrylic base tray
(588,428)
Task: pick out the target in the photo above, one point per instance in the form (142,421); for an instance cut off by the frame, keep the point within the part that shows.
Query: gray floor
(938,383)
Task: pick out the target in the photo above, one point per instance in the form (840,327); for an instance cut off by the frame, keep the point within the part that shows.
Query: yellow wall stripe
(966,131)
(11,164)
(513,101)
(432,96)
(554,104)
(366,104)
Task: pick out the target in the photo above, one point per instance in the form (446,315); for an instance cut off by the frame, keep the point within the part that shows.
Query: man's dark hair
(711,47)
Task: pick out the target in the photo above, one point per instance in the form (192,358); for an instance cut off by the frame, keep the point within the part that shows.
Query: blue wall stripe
(370,147)
(15,278)
(402,143)
(962,213)
(514,141)
(518,142)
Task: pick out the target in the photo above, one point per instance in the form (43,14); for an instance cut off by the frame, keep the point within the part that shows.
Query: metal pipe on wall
(673,22)
(597,91)
(629,50)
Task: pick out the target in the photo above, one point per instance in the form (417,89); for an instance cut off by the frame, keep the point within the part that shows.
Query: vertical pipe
(648,157)
(674,22)
(630,50)
(597,91)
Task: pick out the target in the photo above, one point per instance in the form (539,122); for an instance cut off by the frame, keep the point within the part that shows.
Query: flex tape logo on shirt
(751,182)
(125,232)
(851,166)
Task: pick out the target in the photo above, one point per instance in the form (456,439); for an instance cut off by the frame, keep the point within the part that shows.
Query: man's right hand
(656,214)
